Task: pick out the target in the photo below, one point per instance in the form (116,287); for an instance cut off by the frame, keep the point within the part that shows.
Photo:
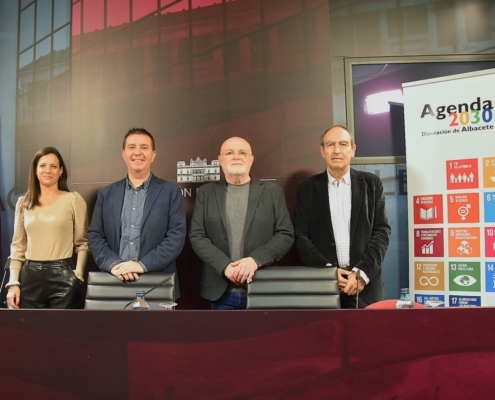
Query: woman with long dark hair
(50,225)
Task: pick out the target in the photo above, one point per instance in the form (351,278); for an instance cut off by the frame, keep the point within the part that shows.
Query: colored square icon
(463,208)
(489,172)
(490,277)
(464,242)
(428,209)
(430,300)
(429,275)
(428,242)
(464,276)
(489,206)
(462,174)
(464,301)
(490,241)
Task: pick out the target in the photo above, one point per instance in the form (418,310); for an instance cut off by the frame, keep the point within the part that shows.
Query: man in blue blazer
(138,223)
(341,220)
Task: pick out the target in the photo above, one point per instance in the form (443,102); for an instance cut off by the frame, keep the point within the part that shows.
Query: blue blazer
(163,228)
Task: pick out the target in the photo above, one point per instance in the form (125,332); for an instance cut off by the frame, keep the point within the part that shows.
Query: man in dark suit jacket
(239,224)
(344,223)
(138,223)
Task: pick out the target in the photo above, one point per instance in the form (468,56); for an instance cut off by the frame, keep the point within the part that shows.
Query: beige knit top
(50,233)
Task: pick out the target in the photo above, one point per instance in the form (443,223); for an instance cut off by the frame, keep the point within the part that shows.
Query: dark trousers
(49,284)
(350,302)
(230,301)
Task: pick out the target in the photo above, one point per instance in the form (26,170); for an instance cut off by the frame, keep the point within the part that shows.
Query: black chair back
(106,292)
(294,288)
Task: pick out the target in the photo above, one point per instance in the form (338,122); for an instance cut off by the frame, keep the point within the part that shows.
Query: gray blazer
(269,233)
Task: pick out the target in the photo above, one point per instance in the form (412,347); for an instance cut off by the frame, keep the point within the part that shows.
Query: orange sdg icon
(489,172)
(464,242)
(429,275)
(464,208)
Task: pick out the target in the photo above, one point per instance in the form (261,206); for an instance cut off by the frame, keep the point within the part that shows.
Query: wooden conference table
(311,354)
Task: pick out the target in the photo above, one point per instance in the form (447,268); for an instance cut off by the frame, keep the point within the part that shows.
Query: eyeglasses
(231,154)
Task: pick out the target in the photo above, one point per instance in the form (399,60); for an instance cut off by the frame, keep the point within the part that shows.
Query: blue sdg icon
(430,300)
(489,207)
(490,276)
(464,301)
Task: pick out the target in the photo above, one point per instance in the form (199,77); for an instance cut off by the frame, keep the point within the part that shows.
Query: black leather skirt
(50,284)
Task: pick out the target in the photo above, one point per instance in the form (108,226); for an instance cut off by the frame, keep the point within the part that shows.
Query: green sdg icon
(464,276)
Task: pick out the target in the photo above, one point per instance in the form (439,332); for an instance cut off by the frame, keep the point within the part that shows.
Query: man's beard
(236,170)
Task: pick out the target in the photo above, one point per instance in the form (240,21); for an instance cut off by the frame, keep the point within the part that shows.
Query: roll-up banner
(450,150)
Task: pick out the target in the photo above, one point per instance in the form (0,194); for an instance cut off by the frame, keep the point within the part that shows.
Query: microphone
(358,278)
(161,283)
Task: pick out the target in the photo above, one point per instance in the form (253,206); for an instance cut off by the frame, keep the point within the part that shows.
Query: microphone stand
(358,278)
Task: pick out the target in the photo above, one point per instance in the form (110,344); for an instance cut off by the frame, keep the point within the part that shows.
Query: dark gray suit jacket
(369,228)
(269,233)
(163,228)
